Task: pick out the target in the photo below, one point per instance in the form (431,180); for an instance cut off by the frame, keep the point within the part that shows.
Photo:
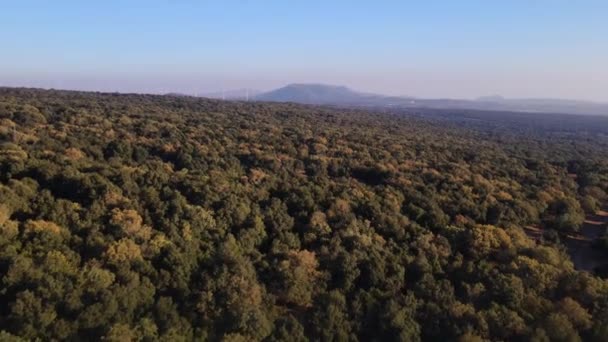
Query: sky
(433,49)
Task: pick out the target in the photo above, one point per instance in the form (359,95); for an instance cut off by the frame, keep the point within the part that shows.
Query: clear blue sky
(531,48)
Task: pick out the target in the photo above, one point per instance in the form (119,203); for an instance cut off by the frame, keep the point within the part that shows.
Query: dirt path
(580,245)
(580,248)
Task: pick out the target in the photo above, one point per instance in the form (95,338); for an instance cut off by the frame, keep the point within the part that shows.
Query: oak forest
(171,218)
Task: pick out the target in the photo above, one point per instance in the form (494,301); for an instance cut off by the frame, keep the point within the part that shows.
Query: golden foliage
(169,148)
(37,226)
(158,242)
(575,313)
(7,123)
(318,221)
(503,196)
(96,277)
(115,198)
(486,238)
(234,337)
(131,223)
(248,289)
(120,333)
(125,250)
(73,153)
(300,270)
(12,152)
(470,337)
(340,207)
(9,229)
(5,213)
(256,175)
(304,260)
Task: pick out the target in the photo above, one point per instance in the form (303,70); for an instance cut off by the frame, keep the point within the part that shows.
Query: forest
(130,217)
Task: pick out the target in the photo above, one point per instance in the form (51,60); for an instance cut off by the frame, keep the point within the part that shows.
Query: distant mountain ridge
(323,94)
(316,94)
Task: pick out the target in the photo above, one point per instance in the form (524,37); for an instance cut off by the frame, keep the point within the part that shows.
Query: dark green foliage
(564,214)
(156,218)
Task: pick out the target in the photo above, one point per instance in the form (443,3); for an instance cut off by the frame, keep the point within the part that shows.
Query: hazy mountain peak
(315,93)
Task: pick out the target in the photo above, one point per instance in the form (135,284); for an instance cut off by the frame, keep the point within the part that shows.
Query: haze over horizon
(517,49)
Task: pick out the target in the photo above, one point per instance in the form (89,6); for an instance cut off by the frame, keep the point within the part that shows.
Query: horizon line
(260,91)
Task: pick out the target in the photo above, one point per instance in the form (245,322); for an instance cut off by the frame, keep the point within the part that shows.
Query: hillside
(164,218)
(318,94)
(343,96)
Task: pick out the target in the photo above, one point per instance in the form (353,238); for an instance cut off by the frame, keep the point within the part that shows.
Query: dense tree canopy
(139,217)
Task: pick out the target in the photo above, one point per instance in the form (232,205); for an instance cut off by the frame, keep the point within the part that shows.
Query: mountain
(323,94)
(320,94)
